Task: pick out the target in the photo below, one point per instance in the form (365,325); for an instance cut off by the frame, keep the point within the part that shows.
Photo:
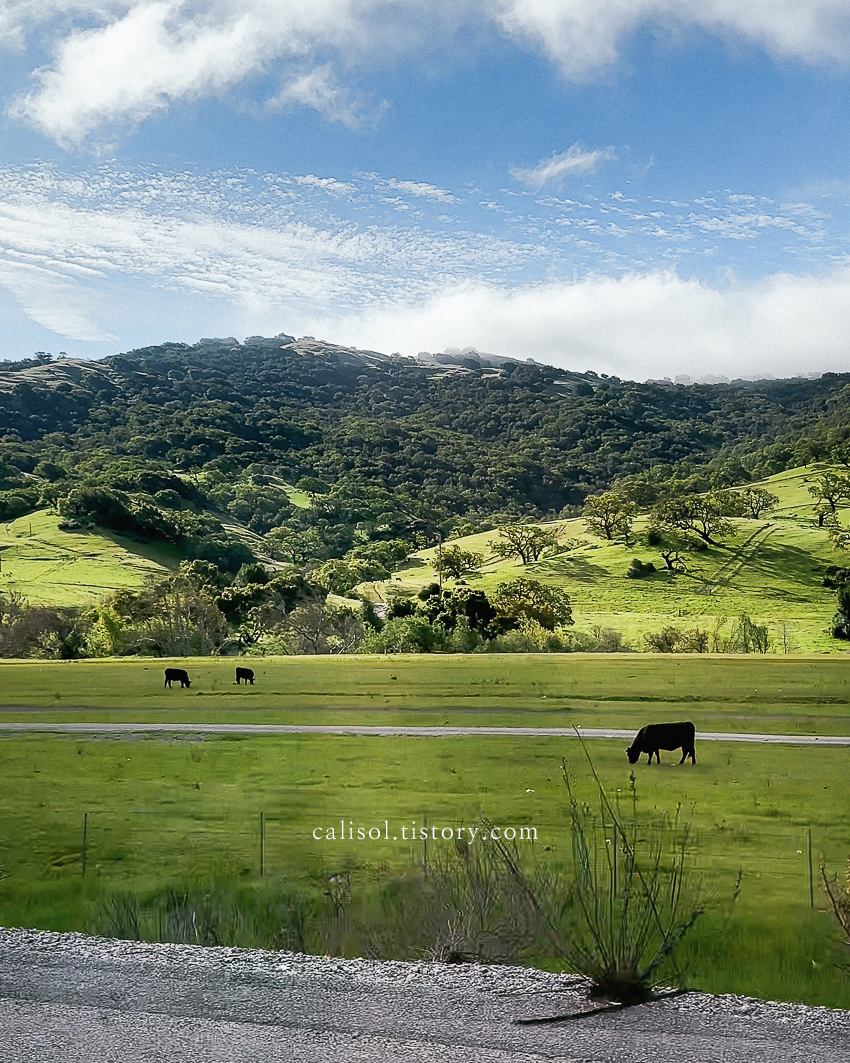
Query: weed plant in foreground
(634,895)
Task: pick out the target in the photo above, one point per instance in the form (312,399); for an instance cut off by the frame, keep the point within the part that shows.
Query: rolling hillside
(770,569)
(52,567)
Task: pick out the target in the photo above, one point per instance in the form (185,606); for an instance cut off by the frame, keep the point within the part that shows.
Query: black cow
(246,674)
(657,736)
(173,675)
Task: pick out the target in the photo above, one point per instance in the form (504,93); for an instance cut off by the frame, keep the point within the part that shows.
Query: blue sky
(640,187)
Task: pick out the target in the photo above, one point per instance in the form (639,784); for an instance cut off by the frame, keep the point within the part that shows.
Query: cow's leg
(684,754)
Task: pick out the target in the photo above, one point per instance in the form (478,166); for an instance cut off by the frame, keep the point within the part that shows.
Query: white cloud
(52,300)
(215,235)
(424,191)
(267,250)
(583,38)
(327,184)
(571,163)
(641,325)
(124,60)
(320,90)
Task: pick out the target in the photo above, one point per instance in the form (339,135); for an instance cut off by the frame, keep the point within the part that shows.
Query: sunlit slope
(59,568)
(771,569)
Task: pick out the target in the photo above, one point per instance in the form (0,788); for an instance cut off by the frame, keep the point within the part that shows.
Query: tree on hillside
(730,502)
(841,620)
(290,544)
(830,488)
(609,515)
(700,514)
(525,541)
(312,486)
(671,544)
(528,599)
(342,575)
(453,561)
(840,452)
(449,607)
(756,500)
(840,537)
(172,617)
(388,552)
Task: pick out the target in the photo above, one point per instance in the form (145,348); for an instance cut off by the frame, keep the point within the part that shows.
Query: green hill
(770,569)
(54,567)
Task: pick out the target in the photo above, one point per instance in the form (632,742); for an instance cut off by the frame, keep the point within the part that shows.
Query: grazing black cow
(173,675)
(245,673)
(657,736)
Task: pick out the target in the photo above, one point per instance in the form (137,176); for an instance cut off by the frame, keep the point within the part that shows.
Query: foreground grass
(184,815)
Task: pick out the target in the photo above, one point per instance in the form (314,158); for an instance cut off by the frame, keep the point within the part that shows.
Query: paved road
(66,998)
(404,732)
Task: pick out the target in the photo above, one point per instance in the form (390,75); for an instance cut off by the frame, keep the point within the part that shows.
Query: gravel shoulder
(75,999)
(401,732)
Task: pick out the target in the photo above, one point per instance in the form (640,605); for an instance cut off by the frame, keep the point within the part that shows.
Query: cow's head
(633,754)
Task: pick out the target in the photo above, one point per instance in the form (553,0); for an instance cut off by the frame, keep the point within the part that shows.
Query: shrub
(841,620)
(835,577)
(666,640)
(531,637)
(471,903)
(608,640)
(839,897)
(749,637)
(632,899)
(673,640)
(639,569)
(407,634)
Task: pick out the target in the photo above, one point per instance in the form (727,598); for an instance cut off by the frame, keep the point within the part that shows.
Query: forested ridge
(468,438)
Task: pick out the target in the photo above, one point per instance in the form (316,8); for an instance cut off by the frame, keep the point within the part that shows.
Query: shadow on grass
(574,568)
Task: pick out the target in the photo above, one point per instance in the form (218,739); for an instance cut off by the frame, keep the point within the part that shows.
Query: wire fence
(112,845)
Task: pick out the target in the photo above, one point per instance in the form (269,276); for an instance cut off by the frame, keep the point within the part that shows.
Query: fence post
(425,849)
(85,833)
(809,863)
(262,844)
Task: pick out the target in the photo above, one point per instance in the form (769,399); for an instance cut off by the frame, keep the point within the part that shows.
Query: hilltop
(451,434)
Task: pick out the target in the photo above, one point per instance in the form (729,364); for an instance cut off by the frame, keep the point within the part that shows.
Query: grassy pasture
(52,567)
(719,693)
(172,812)
(770,569)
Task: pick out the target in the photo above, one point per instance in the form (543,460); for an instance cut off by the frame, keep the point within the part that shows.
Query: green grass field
(52,567)
(770,569)
(177,811)
(720,693)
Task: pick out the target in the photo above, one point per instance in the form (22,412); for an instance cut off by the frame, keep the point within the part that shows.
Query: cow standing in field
(655,736)
(174,675)
(244,673)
